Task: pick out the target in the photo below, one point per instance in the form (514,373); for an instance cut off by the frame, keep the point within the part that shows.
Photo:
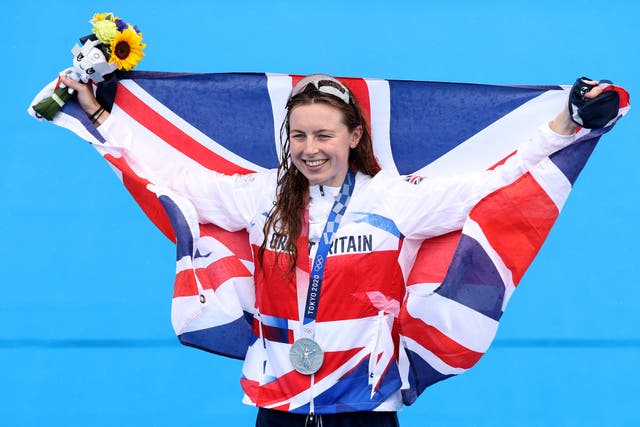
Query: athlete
(326,229)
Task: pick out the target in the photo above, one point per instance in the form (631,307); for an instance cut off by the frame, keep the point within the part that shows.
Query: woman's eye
(297,136)
(323,136)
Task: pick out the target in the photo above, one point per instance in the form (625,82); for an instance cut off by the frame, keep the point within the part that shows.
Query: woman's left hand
(563,124)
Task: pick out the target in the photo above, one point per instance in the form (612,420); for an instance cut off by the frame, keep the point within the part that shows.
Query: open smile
(315,163)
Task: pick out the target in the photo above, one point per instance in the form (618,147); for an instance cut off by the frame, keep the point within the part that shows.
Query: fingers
(595,91)
(85,96)
(69,82)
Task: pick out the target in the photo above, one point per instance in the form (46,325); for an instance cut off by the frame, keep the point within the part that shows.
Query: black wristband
(96,115)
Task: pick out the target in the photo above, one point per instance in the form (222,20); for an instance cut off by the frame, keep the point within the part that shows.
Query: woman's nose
(311,145)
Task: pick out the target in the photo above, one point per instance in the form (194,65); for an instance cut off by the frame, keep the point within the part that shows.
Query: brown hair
(285,218)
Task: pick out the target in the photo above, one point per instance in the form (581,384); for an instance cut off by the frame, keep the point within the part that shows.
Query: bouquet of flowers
(112,45)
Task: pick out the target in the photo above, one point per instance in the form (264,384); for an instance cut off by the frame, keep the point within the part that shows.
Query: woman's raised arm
(229,201)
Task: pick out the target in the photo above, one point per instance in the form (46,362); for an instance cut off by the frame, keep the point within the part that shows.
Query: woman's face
(320,143)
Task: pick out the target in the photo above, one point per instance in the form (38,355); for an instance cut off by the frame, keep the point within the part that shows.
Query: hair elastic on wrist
(96,115)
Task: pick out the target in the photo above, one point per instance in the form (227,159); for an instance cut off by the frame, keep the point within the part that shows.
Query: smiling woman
(324,134)
(336,337)
(320,143)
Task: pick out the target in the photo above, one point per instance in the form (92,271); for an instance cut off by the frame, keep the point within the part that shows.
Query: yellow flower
(105,31)
(108,16)
(126,49)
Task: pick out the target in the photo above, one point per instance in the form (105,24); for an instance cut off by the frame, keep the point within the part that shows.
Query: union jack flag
(459,283)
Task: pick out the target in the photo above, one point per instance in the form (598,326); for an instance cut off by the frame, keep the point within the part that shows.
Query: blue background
(86,279)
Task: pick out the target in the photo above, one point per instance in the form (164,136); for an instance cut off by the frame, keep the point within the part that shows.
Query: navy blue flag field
(457,285)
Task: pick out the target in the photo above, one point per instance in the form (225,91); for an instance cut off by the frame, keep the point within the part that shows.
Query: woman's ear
(356,134)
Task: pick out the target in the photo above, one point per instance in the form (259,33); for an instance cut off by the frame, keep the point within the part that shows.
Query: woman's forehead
(317,114)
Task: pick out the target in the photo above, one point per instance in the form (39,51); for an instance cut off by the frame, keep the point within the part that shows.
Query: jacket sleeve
(228,201)
(440,205)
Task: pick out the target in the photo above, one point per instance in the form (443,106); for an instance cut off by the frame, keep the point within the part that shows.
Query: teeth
(313,163)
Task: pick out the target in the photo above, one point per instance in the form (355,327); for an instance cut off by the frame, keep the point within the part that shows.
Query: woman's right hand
(86,98)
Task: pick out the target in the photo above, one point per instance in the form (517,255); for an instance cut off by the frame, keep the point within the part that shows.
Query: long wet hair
(292,193)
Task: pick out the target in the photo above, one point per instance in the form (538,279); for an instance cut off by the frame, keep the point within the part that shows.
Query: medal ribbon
(317,268)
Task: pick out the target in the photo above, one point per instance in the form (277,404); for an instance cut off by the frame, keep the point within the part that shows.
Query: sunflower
(126,49)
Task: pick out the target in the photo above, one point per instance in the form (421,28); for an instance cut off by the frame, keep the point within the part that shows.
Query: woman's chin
(315,175)
(322,175)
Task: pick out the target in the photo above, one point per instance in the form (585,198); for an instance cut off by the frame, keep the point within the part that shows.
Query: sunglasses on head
(324,84)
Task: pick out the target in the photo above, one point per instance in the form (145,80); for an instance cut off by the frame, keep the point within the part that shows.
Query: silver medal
(306,356)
